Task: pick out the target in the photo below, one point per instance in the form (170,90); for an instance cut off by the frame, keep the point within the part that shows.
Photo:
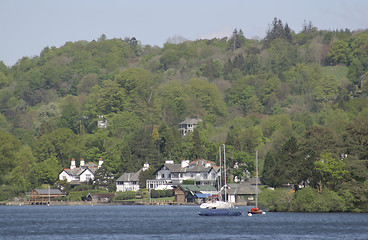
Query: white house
(170,174)
(76,175)
(130,181)
(188,125)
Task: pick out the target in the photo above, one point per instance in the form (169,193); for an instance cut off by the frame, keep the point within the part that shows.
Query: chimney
(72,165)
(145,166)
(100,162)
(184,163)
(82,163)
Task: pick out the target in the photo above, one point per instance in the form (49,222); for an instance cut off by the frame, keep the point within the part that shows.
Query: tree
(329,170)
(294,164)
(111,98)
(137,83)
(104,179)
(273,171)
(338,53)
(61,144)
(9,146)
(206,97)
(45,172)
(198,147)
(276,30)
(237,40)
(281,56)
(326,90)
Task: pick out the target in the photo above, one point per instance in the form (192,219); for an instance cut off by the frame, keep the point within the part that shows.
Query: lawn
(339,71)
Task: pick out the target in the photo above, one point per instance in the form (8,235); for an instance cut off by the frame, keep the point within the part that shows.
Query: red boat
(255,211)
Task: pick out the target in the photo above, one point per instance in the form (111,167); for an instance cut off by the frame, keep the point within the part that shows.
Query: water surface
(172,222)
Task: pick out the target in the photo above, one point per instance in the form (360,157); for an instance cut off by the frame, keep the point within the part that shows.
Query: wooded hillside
(300,99)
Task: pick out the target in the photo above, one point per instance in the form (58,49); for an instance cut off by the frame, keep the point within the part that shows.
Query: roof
(253,181)
(101,195)
(242,188)
(176,168)
(46,191)
(78,171)
(198,188)
(129,177)
(201,195)
(191,120)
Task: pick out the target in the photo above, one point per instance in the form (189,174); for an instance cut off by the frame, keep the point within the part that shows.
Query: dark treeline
(300,99)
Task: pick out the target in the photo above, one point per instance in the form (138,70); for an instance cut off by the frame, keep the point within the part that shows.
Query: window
(88,177)
(163,175)
(169,176)
(204,175)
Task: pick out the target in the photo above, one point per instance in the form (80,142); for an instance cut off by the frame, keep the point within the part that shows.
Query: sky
(28,26)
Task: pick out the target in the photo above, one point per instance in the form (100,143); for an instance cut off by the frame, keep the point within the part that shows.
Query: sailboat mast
(256,178)
(220,182)
(225,174)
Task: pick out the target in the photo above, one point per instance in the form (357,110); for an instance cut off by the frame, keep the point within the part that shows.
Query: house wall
(164,174)
(127,186)
(64,176)
(86,175)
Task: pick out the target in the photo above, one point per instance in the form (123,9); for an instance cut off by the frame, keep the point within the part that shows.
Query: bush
(329,201)
(125,195)
(77,195)
(305,200)
(278,200)
(308,200)
(161,193)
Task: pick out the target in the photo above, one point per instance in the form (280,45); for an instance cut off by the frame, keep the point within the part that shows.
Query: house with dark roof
(170,174)
(242,192)
(44,196)
(77,175)
(99,197)
(130,181)
(193,193)
(188,125)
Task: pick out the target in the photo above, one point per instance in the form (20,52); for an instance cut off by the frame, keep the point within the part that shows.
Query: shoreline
(76,203)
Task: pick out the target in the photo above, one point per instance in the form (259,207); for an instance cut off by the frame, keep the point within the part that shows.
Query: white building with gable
(202,172)
(77,175)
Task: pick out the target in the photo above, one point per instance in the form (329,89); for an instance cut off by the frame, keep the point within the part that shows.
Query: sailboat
(255,210)
(216,201)
(221,208)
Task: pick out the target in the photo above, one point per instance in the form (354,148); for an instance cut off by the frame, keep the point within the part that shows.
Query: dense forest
(300,99)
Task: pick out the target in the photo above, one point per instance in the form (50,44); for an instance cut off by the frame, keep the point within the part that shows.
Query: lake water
(172,222)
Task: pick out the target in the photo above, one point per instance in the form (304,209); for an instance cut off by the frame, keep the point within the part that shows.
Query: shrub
(304,200)
(125,195)
(161,193)
(278,200)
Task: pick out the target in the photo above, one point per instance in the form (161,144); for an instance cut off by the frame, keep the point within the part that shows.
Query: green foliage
(9,146)
(274,95)
(278,200)
(331,171)
(308,200)
(161,193)
(125,195)
(338,53)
